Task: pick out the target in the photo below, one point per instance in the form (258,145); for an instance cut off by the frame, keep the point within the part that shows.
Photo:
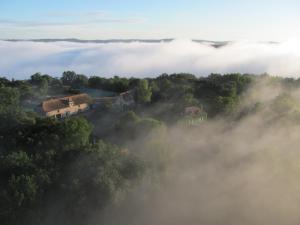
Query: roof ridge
(65,97)
(60,102)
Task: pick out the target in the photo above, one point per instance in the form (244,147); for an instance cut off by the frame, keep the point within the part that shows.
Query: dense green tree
(36,78)
(80,81)
(95,82)
(41,83)
(115,84)
(9,101)
(4,81)
(101,174)
(75,133)
(58,156)
(143,92)
(10,111)
(68,77)
(26,91)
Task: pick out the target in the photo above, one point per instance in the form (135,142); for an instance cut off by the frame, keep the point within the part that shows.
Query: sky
(261,20)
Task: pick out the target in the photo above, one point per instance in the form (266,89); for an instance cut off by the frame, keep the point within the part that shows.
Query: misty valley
(148,58)
(161,112)
(172,150)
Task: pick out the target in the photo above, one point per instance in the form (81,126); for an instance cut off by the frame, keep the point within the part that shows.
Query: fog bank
(22,59)
(229,172)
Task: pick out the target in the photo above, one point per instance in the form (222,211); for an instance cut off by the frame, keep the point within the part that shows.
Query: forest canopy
(56,171)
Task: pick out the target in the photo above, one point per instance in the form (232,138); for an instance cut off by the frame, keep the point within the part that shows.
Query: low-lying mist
(232,170)
(139,59)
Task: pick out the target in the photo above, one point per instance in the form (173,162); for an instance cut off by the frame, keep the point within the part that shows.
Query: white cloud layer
(21,59)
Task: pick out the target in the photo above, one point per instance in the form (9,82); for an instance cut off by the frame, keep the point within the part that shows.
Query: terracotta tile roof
(61,103)
(193,110)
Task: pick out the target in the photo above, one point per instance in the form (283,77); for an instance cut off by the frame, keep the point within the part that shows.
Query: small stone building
(193,111)
(66,106)
(194,115)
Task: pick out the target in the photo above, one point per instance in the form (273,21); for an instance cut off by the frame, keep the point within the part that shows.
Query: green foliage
(285,103)
(100,174)
(150,135)
(26,91)
(21,190)
(130,126)
(70,78)
(225,104)
(59,156)
(10,111)
(149,124)
(4,81)
(115,84)
(63,163)
(9,101)
(43,87)
(41,83)
(80,81)
(17,160)
(143,92)
(221,93)
(75,132)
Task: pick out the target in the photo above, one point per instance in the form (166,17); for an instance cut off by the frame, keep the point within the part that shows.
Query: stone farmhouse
(66,106)
(71,105)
